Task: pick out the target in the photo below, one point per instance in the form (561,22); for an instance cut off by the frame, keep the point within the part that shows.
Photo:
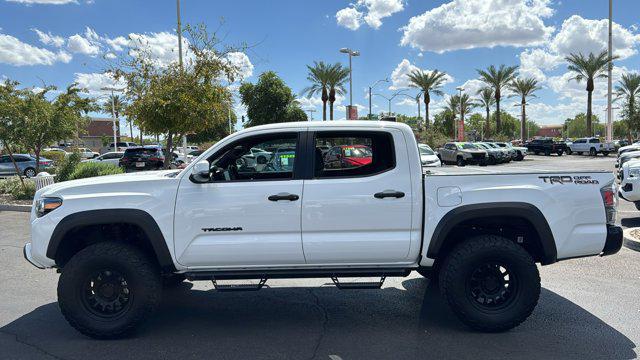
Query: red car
(347,156)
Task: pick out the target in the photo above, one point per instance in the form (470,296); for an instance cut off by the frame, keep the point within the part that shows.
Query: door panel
(246,215)
(344,223)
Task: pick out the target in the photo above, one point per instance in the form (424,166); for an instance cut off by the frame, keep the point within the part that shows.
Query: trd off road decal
(566,179)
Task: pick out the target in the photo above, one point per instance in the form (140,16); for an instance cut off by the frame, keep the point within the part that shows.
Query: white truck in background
(364,210)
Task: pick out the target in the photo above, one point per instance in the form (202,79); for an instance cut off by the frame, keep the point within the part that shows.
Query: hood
(120,182)
(632,146)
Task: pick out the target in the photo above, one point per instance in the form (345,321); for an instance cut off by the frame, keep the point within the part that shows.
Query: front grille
(478,156)
(627,187)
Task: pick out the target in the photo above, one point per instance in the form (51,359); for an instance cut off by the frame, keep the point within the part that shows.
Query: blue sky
(60,41)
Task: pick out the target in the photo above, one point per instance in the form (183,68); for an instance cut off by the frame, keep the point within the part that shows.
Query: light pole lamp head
(355,53)
(345,50)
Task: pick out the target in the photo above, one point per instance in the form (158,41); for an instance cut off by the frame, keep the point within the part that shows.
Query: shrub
(67,167)
(13,187)
(56,156)
(92,169)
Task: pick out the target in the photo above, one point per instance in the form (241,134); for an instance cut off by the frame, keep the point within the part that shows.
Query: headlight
(634,172)
(46,205)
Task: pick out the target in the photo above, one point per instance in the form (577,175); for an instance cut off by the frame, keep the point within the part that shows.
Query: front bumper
(629,189)
(26,252)
(613,244)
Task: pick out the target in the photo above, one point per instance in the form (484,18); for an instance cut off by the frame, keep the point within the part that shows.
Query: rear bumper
(614,240)
(26,252)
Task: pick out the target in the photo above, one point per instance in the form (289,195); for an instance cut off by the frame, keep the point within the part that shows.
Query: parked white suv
(366,210)
(592,146)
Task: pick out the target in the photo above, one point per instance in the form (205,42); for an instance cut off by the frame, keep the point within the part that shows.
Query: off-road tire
(460,161)
(456,280)
(142,277)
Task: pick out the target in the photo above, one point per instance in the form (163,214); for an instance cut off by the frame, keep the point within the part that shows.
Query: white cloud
(94,82)
(584,35)
(349,18)
(49,39)
(352,17)
(399,78)
(242,62)
(309,103)
(18,53)
(44,2)
(162,46)
(467,24)
(87,44)
(472,86)
(534,61)
(118,43)
(567,88)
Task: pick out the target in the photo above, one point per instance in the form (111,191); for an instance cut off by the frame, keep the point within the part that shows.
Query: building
(97,130)
(550,131)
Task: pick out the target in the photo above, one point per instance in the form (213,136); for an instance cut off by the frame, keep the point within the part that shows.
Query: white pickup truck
(592,146)
(363,208)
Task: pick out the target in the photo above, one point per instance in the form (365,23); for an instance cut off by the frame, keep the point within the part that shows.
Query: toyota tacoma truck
(118,240)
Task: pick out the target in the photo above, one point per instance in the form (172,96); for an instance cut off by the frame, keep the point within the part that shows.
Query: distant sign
(352,112)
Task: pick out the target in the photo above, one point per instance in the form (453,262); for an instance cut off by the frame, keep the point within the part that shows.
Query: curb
(20,208)
(629,241)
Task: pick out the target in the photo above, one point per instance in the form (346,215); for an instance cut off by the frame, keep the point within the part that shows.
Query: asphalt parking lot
(589,309)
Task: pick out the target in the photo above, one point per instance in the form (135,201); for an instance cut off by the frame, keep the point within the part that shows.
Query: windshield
(467,146)
(425,150)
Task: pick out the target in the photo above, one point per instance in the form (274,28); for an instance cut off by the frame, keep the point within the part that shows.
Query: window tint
(594,141)
(353,153)
(20,158)
(239,161)
(4,159)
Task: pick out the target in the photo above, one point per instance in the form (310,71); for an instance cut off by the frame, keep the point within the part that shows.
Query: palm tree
(487,100)
(338,77)
(114,105)
(429,83)
(524,87)
(629,88)
(589,68)
(498,79)
(460,105)
(318,75)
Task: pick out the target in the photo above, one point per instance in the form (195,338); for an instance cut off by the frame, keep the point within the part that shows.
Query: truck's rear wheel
(107,289)
(491,283)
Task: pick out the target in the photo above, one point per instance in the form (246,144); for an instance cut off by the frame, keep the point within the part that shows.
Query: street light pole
(609,88)
(391,98)
(350,53)
(370,88)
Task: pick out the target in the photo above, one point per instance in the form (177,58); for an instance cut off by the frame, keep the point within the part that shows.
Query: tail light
(610,201)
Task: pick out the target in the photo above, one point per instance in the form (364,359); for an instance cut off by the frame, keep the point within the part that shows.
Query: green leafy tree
(269,101)
(486,99)
(318,75)
(498,79)
(577,126)
(589,68)
(174,100)
(443,122)
(338,76)
(460,105)
(429,83)
(628,89)
(524,87)
(9,134)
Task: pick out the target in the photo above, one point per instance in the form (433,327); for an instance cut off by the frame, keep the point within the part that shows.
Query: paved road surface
(589,309)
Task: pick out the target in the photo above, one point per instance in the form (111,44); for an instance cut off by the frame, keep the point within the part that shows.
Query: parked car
(254,157)
(592,146)
(149,157)
(57,150)
(509,154)
(109,158)
(116,239)
(629,188)
(26,165)
(519,151)
(347,156)
(122,145)
(624,158)
(628,148)
(428,157)
(462,153)
(494,156)
(86,153)
(546,146)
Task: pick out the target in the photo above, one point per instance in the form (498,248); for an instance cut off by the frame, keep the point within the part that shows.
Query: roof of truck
(332,123)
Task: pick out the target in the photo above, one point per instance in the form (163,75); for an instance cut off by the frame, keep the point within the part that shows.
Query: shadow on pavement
(306,323)
(630,222)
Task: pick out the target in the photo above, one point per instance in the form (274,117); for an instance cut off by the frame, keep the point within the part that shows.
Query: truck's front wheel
(491,283)
(107,289)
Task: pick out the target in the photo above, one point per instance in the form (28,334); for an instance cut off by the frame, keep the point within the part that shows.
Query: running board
(238,287)
(358,285)
(296,273)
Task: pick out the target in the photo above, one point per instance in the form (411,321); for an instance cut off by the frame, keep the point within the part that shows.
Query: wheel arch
(95,220)
(527,215)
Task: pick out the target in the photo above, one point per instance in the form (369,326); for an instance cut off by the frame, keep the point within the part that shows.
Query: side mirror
(200,172)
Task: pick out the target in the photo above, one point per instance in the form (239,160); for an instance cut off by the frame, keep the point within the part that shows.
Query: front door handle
(389,193)
(283,196)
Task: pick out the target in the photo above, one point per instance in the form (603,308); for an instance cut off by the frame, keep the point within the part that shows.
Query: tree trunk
(427,100)
(37,151)
(523,125)
(589,96)
(330,110)
(15,166)
(487,127)
(498,124)
(325,98)
(131,129)
(167,154)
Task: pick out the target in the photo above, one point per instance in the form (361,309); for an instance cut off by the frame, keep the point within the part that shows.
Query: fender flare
(526,211)
(108,216)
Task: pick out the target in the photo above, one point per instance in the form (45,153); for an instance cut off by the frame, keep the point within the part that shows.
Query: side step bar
(296,273)
(239,287)
(358,285)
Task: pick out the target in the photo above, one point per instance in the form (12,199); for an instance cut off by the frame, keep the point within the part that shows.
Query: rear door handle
(283,196)
(389,193)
